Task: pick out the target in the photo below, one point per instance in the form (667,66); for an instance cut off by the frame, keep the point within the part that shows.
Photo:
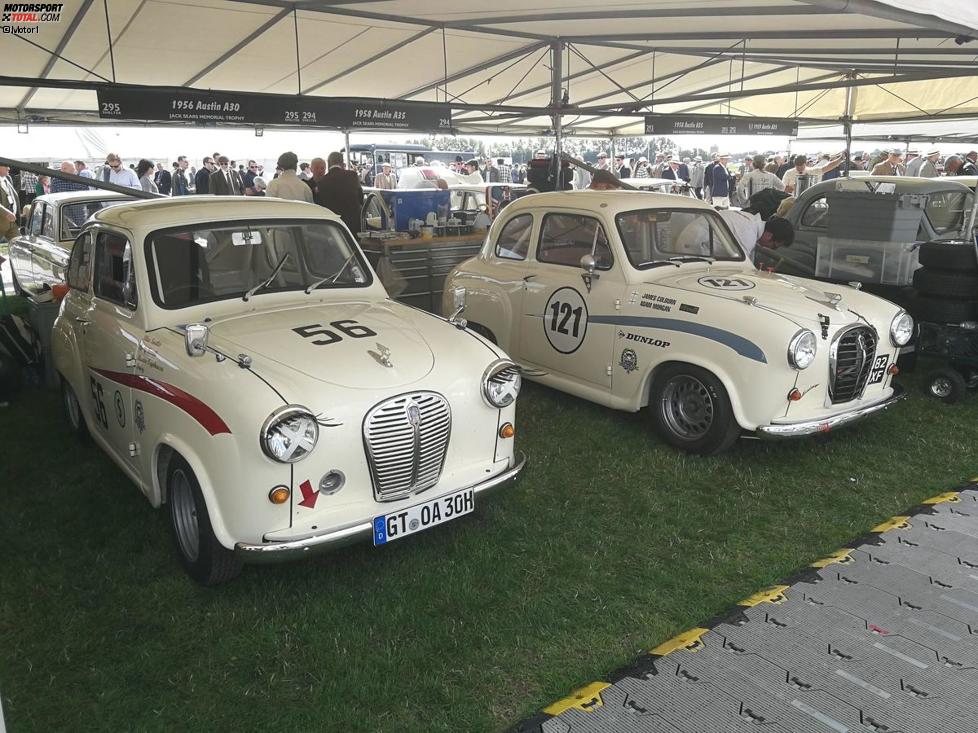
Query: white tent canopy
(815,60)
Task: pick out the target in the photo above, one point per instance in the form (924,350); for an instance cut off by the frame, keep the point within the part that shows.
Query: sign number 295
(565,320)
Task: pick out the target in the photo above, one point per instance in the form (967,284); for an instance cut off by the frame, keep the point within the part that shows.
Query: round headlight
(289,434)
(501,383)
(802,349)
(901,329)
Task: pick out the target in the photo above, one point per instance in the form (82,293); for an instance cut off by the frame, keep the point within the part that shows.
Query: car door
(112,334)
(559,298)
(21,247)
(50,254)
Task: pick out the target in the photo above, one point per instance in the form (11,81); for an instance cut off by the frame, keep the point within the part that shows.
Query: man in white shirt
(751,230)
(790,178)
(472,174)
(288,185)
(115,172)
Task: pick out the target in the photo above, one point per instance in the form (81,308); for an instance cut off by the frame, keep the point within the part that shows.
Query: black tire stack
(946,286)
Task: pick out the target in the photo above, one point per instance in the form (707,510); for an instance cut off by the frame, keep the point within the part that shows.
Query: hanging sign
(204,107)
(711,125)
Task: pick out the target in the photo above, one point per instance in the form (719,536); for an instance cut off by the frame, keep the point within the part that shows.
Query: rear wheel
(73,410)
(946,384)
(691,410)
(204,558)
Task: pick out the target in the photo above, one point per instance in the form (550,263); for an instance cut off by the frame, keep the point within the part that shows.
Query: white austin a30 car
(632,299)
(242,363)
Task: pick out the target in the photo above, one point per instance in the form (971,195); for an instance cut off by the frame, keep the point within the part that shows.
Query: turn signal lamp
(59,291)
(279,495)
(894,369)
(795,395)
(507,431)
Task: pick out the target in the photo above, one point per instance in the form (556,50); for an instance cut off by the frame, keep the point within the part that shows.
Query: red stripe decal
(200,412)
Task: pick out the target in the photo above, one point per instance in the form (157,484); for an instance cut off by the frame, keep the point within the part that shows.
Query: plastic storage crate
(865,261)
(879,217)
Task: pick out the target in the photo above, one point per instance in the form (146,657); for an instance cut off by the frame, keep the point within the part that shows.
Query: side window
(49,227)
(514,239)
(568,237)
(114,276)
(79,266)
(37,216)
(816,214)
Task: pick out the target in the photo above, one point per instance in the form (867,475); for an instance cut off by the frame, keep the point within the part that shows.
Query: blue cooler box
(415,204)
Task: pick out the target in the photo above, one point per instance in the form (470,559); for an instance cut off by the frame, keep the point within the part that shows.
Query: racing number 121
(563,313)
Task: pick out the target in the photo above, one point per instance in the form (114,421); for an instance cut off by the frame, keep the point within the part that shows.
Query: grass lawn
(611,544)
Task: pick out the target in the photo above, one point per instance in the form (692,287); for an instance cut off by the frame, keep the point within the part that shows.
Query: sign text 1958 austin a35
(242,363)
(636,299)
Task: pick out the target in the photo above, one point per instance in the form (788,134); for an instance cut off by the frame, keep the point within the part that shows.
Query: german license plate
(394,526)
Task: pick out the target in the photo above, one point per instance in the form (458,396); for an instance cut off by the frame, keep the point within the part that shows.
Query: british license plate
(389,527)
(879,369)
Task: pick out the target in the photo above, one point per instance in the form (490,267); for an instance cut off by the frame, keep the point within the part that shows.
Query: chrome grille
(850,363)
(406,438)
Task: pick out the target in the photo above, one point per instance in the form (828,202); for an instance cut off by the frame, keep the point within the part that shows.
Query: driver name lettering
(657,302)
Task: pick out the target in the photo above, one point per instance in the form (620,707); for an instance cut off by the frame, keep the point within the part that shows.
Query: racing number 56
(352,329)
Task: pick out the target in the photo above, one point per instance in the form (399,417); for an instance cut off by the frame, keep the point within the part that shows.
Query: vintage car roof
(158,213)
(68,197)
(904,184)
(612,201)
(653,182)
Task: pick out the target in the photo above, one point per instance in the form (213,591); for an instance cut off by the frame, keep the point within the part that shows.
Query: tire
(946,384)
(953,256)
(946,284)
(691,410)
(204,558)
(942,310)
(73,411)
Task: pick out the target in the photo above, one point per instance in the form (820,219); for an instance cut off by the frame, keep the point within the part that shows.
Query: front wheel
(691,410)
(946,384)
(204,558)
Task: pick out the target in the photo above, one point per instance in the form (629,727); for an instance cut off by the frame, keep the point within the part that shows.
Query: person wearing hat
(720,181)
(288,185)
(697,175)
(386,179)
(470,174)
(928,169)
(914,162)
(891,166)
(790,179)
(602,161)
(642,168)
(621,167)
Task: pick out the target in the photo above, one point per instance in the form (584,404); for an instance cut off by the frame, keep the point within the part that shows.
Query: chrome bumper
(810,427)
(280,551)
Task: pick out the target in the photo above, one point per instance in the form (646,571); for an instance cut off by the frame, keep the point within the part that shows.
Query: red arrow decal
(308,495)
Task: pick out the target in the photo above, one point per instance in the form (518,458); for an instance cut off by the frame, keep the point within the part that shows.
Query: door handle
(82,321)
(527,278)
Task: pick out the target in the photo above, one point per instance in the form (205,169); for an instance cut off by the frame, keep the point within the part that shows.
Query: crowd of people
(326,182)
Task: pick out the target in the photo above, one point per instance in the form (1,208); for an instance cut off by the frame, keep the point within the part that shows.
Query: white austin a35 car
(242,363)
(632,299)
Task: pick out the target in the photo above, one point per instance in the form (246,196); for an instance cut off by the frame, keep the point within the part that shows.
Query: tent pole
(346,148)
(847,124)
(556,97)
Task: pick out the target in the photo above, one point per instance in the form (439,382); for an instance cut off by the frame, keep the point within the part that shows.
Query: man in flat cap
(928,169)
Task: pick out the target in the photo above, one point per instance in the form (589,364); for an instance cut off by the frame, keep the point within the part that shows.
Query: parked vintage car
(38,257)
(242,364)
(634,299)
(866,252)
(660,185)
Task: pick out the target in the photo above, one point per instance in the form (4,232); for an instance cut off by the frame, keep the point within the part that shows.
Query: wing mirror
(589,264)
(458,307)
(195,335)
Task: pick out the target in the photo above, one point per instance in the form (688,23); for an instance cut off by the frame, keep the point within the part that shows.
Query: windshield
(653,235)
(188,266)
(947,210)
(74,215)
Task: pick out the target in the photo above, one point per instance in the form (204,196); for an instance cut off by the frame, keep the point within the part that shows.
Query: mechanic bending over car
(751,230)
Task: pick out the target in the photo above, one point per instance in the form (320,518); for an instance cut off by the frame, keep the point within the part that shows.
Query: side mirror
(195,335)
(589,264)
(458,305)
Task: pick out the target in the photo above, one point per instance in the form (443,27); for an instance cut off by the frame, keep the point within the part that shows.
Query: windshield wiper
(690,258)
(331,278)
(656,263)
(265,283)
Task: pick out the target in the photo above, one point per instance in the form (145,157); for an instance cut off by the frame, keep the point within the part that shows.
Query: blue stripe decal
(742,346)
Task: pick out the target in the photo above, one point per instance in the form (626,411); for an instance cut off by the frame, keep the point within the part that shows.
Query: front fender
(488,304)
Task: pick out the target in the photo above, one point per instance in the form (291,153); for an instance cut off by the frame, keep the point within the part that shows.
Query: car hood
(795,298)
(376,345)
